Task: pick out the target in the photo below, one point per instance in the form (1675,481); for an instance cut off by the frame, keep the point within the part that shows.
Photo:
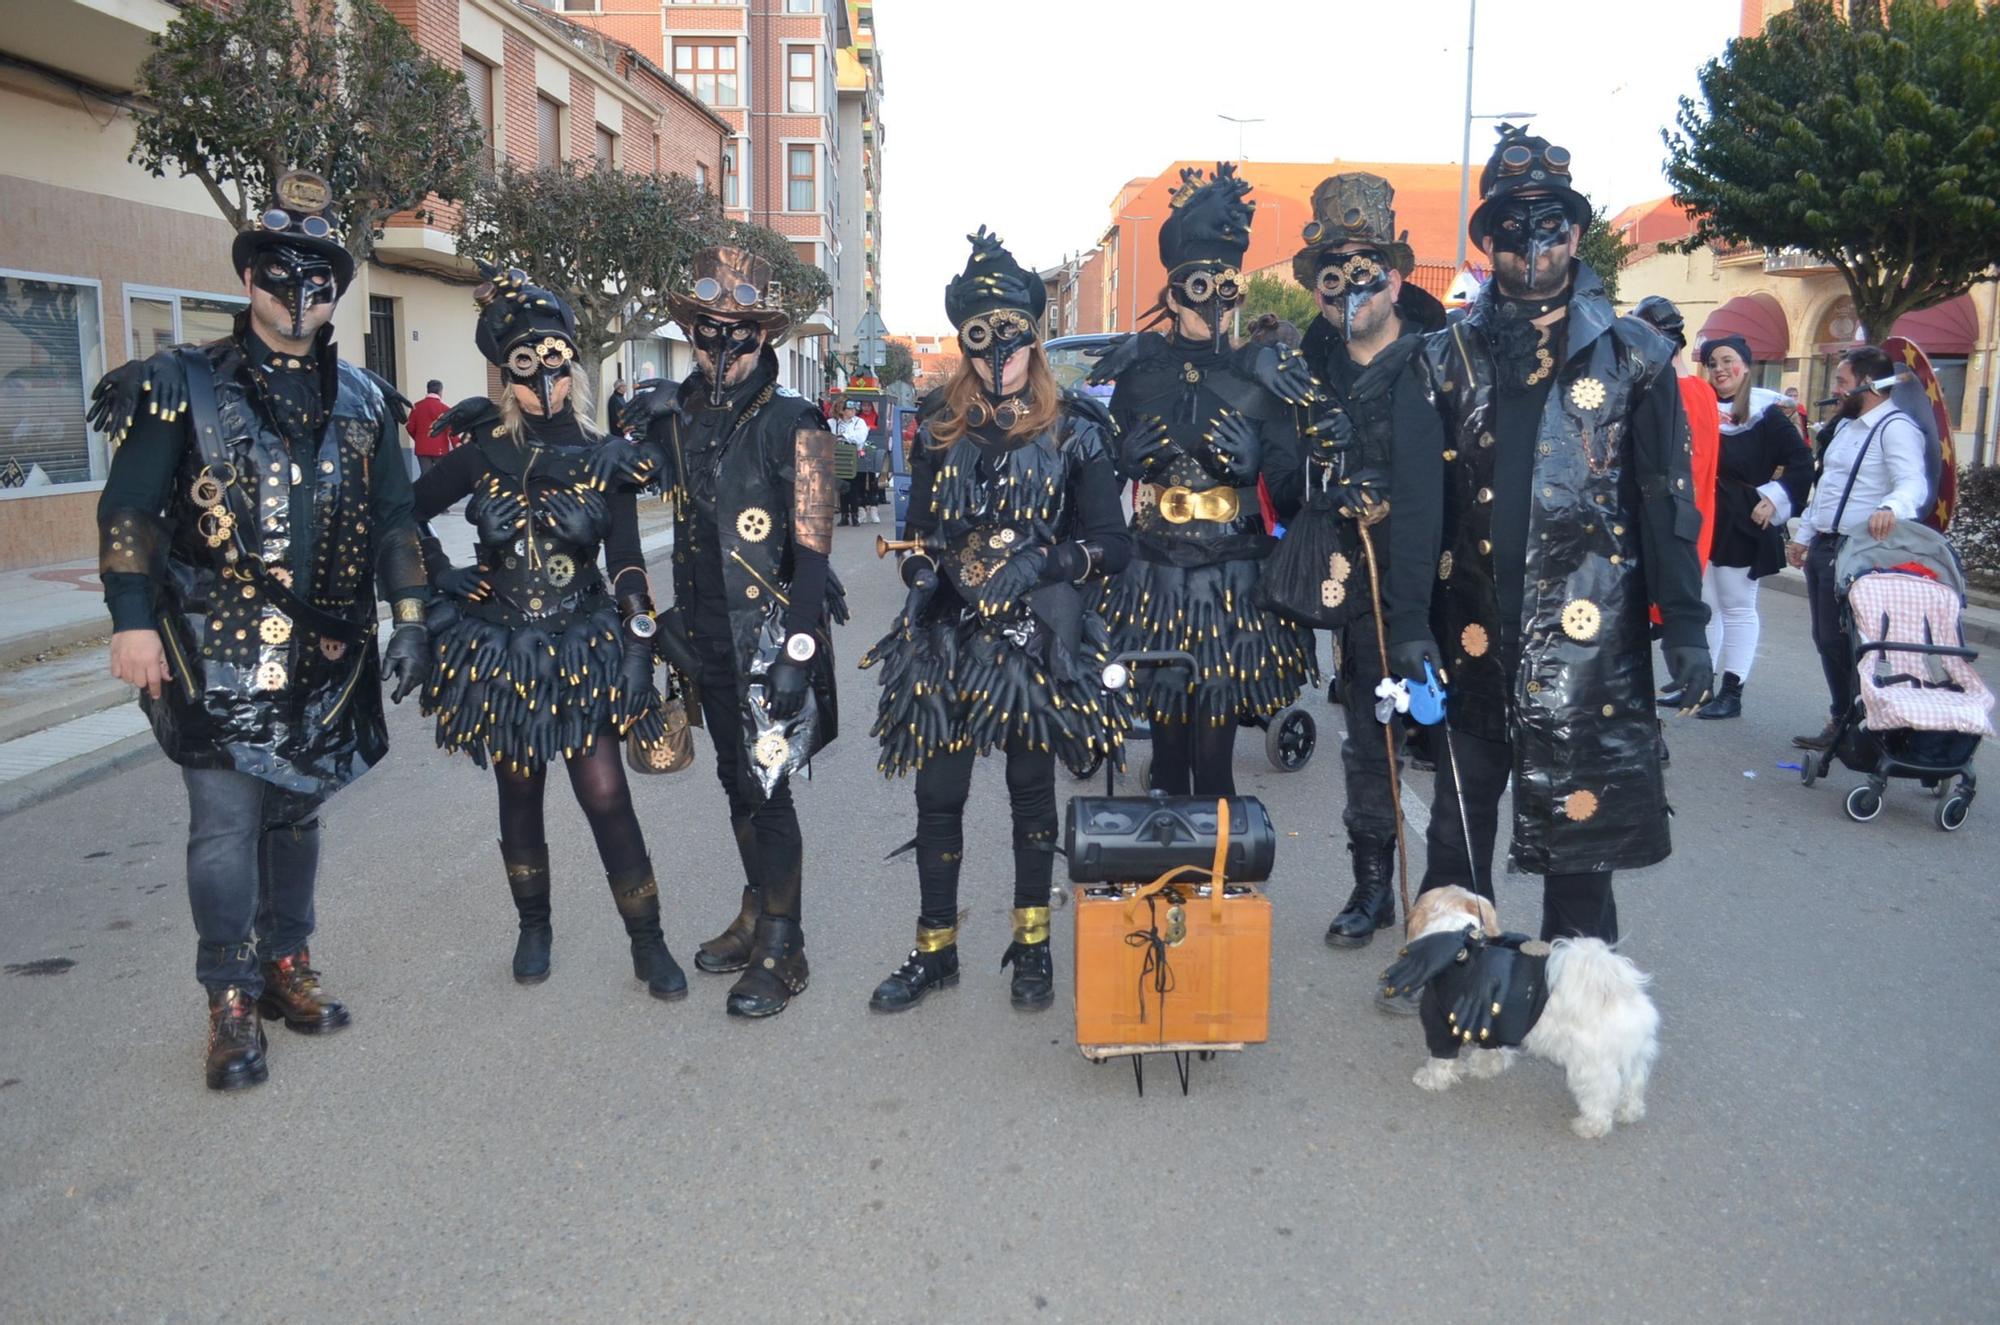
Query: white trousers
(1731,596)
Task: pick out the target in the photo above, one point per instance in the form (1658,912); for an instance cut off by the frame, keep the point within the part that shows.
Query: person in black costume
(540,654)
(257,501)
(1015,501)
(1763,471)
(1526,550)
(749,466)
(1198,431)
(1360,349)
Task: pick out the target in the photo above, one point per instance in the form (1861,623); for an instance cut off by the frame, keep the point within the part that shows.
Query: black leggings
(1194,759)
(597,776)
(943,784)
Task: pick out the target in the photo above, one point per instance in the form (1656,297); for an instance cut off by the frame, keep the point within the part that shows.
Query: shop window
(51,354)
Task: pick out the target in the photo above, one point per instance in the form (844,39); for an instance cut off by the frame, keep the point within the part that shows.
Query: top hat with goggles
(529,333)
(293,249)
(996,304)
(731,284)
(1354,208)
(1523,165)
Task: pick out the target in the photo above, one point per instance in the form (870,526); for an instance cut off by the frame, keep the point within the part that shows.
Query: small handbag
(674,751)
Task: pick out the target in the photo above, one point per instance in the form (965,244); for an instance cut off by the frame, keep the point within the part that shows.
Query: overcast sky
(1027,115)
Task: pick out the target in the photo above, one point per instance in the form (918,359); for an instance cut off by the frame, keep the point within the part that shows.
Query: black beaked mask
(540,364)
(1210,289)
(728,340)
(1350,280)
(296,277)
(1530,228)
(996,337)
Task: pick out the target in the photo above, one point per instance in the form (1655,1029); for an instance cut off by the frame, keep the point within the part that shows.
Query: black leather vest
(538,578)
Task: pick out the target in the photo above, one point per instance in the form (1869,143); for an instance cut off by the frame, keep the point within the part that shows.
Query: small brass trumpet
(884,546)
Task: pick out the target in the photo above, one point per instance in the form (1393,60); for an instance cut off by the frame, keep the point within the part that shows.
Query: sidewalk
(64,721)
(1982,611)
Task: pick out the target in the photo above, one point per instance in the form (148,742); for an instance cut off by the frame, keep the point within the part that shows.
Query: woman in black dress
(1014,498)
(1762,473)
(542,654)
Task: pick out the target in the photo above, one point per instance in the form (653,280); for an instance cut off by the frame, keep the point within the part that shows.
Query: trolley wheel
(1083,772)
(1809,769)
(1863,804)
(1951,813)
(1142,773)
(1290,739)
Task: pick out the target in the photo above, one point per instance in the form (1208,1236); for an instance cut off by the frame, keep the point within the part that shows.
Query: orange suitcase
(1183,961)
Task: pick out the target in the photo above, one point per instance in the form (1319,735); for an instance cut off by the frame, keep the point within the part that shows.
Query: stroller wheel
(1863,804)
(1808,770)
(1084,770)
(1290,739)
(1951,813)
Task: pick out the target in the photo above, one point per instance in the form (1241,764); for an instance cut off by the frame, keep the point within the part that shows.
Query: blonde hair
(965,391)
(513,419)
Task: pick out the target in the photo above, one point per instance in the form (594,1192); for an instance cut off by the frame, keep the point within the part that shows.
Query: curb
(1976,631)
(81,771)
(20,648)
(80,702)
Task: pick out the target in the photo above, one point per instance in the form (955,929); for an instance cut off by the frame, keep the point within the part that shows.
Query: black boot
(1728,701)
(730,950)
(933,964)
(638,899)
(235,1041)
(1372,904)
(776,972)
(528,878)
(1034,985)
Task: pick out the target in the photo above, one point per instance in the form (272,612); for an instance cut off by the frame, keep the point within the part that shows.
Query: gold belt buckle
(1180,505)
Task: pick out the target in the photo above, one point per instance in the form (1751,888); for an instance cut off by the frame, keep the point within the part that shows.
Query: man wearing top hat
(1359,349)
(257,503)
(749,466)
(1526,549)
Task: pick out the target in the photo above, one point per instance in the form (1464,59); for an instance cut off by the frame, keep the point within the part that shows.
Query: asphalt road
(1821,1142)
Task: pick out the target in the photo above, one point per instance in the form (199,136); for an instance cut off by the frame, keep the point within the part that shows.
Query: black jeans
(252,861)
(1573,905)
(766,827)
(943,784)
(1370,815)
(850,492)
(1827,635)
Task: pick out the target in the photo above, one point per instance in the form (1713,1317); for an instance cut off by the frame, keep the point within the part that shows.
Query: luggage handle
(1214,873)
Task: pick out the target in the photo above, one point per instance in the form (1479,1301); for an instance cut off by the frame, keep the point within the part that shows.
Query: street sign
(869,347)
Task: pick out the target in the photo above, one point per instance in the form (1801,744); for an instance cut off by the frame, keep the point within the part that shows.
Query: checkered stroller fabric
(1918,691)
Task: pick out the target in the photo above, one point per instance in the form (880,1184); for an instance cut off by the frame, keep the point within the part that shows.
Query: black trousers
(252,863)
(1370,815)
(850,494)
(1573,905)
(766,827)
(943,784)
(1827,636)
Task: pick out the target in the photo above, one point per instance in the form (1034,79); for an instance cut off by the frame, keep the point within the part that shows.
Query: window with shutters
(479,88)
(707,69)
(799,190)
(548,131)
(51,355)
(607,148)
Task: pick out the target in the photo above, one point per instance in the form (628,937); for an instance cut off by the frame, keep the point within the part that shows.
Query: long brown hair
(1043,397)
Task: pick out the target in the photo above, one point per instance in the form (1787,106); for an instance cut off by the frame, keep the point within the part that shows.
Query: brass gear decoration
(332,650)
(1337,567)
(1581,619)
(1473,640)
(753,524)
(270,676)
(1580,805)
(274,629)
(561,569)
(1586,393)
(772,749)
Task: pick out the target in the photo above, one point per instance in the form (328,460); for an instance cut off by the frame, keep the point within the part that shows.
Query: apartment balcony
(100,41)
(1795,262)
(1737,255)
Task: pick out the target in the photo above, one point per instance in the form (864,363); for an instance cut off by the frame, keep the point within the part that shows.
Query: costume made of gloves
(256,504)
(1480,991)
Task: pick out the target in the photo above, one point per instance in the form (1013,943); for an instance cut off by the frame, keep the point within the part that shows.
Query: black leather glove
(1066,561)
(1406,660)
(1148,447)
(1331,433)
(577,517)
(497,513)
(1361,492)
(1421,960)
(1693,674)
(1233,442)
(1121,354)
(785,687)
(1003,588)
(465,582)
(407,659)
(466,417)
(1473,1014)
(622,463)
(1283,372)
(637,710)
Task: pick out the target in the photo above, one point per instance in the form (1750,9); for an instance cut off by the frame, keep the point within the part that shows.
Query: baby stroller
(1919,709)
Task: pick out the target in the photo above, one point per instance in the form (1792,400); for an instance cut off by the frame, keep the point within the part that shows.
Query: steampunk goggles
(550,354)
(280,221)
(1202,284)
(1343,274)
(1519,159)
(709,290)
(1006,326)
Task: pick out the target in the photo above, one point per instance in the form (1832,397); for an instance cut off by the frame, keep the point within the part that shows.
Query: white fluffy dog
(1597,1024)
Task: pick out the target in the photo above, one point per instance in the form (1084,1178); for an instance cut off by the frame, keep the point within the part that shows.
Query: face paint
(1531,229)
(540,365)
(724,341)
(1348,281)
(296,277)
(1210,289)
(995,337)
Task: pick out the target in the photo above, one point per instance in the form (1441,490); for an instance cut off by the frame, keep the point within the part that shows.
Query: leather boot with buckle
(1034,985)
(528,879)
(235,1041)
(1728,701)
(776,970)
(638,898)
(933,964)
(292,992)
(1372,904)
(730,950)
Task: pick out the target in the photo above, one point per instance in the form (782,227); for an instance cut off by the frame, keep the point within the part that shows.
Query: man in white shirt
(1873,474)
(849,427)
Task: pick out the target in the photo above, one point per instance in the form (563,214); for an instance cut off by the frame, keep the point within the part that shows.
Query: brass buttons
(1444,566)
(1484,496)
(1580,805)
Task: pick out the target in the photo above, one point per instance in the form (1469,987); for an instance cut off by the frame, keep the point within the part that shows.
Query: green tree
(899,364)
(608,241)
(236,98)
(1604,251)
(805,289)
(1866,139)
(1268,294)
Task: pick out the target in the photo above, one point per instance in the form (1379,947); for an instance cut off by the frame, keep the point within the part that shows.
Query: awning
(1950,328)
(1757,318)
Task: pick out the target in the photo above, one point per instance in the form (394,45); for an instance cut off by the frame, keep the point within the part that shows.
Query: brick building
(100,262)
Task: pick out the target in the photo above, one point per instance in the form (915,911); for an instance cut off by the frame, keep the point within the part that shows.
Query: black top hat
(1659,312)
(512,311)
(1524,164)
(301,216)
(1209,219)
(993,280)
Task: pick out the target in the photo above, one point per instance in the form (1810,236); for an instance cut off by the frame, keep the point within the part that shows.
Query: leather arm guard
(815,502)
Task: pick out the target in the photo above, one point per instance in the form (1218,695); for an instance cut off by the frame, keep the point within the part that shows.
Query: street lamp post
(1465,149)
(1239,123)
(1134,282)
